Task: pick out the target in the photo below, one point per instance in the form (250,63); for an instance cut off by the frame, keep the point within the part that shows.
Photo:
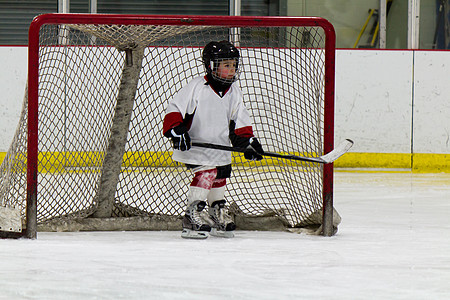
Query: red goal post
(222,21)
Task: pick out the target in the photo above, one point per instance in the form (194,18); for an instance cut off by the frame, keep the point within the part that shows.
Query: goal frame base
(268,221)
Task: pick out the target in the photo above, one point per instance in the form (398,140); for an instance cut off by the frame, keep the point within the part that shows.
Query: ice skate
(194,227)
(223,224)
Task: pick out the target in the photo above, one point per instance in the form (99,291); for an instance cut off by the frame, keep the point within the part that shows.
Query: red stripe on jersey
(171,120)
(244,131)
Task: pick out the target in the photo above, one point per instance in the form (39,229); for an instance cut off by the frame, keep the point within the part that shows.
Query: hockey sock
(201,185)
(217,191)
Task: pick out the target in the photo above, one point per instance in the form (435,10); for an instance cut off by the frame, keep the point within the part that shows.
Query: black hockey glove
(254,150)
(180,138)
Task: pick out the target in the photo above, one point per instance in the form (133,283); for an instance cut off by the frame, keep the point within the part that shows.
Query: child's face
(227,69)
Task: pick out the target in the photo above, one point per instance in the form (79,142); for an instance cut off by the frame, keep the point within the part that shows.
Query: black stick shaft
(270,154)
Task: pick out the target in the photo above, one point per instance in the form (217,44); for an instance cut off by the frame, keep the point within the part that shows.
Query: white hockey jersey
(208,116)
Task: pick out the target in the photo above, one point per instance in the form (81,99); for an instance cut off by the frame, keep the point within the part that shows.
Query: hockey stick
(330,157)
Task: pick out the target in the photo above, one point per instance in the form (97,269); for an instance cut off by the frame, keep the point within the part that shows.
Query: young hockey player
(210,109)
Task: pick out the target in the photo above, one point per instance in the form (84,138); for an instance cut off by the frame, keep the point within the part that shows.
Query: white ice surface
(393,243)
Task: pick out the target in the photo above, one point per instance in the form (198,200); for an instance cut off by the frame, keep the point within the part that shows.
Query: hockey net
(89,148)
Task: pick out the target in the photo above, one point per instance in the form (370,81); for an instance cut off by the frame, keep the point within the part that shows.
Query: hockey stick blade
(330,157)
(337,152)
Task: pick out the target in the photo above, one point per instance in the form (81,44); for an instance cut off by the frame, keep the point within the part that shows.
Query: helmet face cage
(216,52)
(215,66)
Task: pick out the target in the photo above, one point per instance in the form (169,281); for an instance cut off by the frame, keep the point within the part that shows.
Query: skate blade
(192,234)
(221,233)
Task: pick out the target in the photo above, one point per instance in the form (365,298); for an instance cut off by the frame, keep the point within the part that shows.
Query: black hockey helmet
(214,52)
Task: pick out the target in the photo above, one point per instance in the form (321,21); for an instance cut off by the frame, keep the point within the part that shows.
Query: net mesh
(80,73)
